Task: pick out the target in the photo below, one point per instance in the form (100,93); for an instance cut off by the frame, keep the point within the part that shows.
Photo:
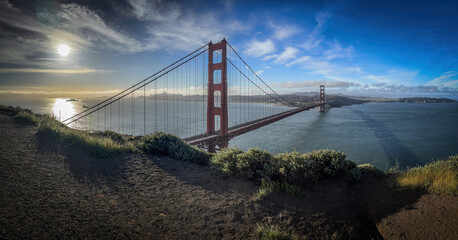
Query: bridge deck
(246,127)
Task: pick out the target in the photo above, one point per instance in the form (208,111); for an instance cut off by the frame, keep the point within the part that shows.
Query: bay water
(383,134)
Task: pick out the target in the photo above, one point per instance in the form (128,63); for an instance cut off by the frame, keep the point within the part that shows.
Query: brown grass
(440,177)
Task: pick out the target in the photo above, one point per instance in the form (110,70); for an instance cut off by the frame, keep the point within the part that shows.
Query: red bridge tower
(323,107)
(217,86)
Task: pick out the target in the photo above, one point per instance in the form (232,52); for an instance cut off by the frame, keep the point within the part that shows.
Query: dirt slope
(51,190)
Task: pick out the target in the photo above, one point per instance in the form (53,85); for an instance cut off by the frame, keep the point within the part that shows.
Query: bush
(114,136)
(26,117)
(228,161)
(298,169)
(273,232)
(308,168)
(96,145)
(440,177)
(10,111)
(268,188)
(371,170)
(170,145)
(251,164)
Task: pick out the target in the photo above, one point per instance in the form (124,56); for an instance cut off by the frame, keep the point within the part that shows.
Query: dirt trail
(51,190)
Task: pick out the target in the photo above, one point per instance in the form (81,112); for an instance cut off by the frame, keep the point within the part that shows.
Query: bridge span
(191,98)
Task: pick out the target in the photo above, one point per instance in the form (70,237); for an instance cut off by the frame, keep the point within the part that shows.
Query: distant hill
(333,100)
(416,100)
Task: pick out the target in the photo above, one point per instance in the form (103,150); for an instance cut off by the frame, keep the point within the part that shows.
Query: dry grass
(440,177)
(273,232)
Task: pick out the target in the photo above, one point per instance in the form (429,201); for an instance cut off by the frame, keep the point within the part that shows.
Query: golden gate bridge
(207,97)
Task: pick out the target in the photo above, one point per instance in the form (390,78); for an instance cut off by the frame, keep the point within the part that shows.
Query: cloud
(299,60)
(93,28)
(257,48)
(337,51)
(418,89)
(171,26)
(282,32)
(158,25)
(315,37)
(288,53)
(393,76)
(447,79)
(317,83)
(36,70)
(154,10)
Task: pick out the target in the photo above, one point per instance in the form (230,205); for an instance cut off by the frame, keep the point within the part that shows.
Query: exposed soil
(51,190)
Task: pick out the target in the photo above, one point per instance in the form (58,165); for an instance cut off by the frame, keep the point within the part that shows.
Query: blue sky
(361,48)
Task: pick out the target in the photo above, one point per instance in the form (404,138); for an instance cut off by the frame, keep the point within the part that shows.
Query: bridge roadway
(203,139)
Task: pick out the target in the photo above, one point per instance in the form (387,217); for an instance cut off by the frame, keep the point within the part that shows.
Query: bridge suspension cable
(206,97)
(133,86)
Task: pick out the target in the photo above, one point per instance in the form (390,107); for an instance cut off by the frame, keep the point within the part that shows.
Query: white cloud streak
(36,70)
(257,48)
(317,83)
(287,54)
(447,79)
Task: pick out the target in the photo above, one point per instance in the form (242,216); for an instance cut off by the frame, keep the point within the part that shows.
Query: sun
(63,49)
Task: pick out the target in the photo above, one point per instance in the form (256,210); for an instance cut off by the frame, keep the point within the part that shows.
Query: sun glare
(63,109)
(63,49)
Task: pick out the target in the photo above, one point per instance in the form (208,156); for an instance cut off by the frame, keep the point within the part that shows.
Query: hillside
(54,189)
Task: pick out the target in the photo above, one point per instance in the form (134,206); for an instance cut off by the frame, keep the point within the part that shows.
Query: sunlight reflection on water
(62,109)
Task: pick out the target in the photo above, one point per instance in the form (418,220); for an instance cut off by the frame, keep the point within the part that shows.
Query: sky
(358,48)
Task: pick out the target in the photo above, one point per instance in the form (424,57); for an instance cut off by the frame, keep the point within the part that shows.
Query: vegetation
(288,173)
(100,145)
(273,232)
(170,145)
(371,170)
(270,187)
(97,145)
(10,111)
(440,177)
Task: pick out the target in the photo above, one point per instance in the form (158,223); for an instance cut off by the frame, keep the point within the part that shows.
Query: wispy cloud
(393,76)
(36,70)
(257,48)
(89,25)
(154,10)
(447,79)
(284,31)
(287,54)
(317,83)
(337,51)
(315,37)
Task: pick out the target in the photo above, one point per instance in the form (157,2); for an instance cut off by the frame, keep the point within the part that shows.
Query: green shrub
(268,188)
(228,161)
(26,117)
(114,136)
(371,170)
(9,110)
(170,145)
(308,168)
(294,168)
(96,145)
(273,232)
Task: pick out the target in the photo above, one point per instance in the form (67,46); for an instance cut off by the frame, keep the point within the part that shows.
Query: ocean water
(382,134)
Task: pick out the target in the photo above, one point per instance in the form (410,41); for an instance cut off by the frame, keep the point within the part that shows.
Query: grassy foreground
(288,173)
(440,177)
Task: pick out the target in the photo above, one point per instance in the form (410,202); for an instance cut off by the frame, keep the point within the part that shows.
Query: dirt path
(51,190)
